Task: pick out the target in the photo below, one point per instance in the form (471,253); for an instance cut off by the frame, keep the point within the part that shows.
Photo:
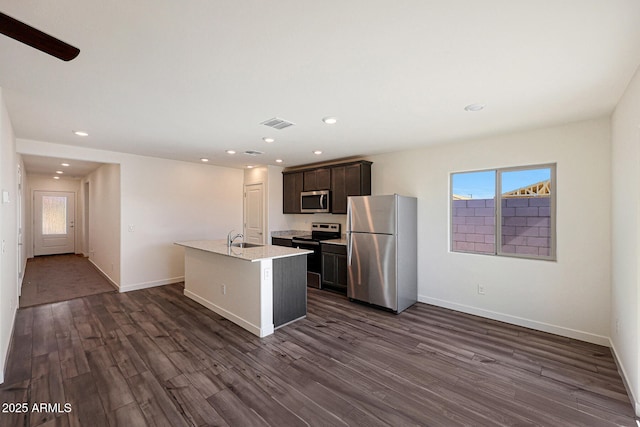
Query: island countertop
(248,254)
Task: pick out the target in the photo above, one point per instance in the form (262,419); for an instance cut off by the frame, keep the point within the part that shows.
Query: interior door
(54,222)
(253,214)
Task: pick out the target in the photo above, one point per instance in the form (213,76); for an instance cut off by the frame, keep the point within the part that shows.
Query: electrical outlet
(132,228)
(480,289)
(223,288)
(617,326)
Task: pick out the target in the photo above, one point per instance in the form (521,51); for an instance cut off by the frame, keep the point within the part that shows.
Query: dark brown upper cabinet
(292,184)
(317,179)
(343,179)
(352,179)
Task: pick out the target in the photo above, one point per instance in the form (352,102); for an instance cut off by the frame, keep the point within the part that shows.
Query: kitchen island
(258,288)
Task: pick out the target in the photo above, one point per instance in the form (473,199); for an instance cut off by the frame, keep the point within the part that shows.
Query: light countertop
(249,254)
(289,234)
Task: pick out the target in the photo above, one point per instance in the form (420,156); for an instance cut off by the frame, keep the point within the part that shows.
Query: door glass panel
(54,215)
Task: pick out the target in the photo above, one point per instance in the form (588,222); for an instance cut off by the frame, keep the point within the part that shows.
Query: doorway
(253,214)
(54,222)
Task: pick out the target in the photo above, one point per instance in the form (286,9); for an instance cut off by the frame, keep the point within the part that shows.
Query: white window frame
(498,212)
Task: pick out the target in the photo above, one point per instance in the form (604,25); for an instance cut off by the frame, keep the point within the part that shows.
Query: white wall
(569,297)
(277,220)
(625,254)
(104,220)
(165,201)
(9,256)
(47,183)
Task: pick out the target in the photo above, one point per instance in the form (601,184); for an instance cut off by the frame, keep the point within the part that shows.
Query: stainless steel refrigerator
(382,250)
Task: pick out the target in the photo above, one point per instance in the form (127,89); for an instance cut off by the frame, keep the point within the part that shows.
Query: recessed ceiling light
(330,120)
(249,166)
(474,107)
(230,152)
(205,160)
(59,172)
(56,177)
(80,133)
(279,160)
(64,164)
(317,152)
(268,140)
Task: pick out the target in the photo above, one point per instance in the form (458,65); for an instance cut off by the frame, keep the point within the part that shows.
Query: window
(54,215)
(508,211)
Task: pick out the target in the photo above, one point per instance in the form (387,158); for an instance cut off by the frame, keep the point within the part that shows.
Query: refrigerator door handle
(349,248)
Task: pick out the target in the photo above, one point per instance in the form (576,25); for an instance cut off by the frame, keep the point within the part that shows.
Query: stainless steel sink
(246,245)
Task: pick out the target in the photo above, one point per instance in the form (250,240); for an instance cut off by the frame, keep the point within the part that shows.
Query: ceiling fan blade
(37,39)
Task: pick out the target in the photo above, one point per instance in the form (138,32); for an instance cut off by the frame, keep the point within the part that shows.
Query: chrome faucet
(230,238)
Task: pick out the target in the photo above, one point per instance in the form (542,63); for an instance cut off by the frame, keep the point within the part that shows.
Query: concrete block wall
(474,225)
(526,225)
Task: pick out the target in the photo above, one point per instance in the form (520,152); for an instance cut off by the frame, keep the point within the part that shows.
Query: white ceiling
(75,169)
(186,80)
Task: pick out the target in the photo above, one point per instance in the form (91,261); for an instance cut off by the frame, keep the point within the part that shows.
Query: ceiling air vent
(253,152)
(277,123)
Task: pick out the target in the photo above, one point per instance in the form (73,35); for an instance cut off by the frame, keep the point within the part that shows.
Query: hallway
(55,278)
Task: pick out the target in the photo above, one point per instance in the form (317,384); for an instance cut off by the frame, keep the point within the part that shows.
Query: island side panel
(231,287)
(289,289)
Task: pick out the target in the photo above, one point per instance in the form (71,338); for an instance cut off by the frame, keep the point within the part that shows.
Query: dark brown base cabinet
(334,267)
(281,241)
(343,180)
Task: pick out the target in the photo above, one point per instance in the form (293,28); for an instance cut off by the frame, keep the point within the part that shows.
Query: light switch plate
(5,196)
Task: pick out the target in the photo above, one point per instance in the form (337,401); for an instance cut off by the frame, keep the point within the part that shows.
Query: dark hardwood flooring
(153,357)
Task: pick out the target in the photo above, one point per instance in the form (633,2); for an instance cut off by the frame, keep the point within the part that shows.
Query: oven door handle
(304,242)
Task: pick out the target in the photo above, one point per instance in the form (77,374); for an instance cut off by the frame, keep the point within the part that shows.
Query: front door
(253,223)
(54,222)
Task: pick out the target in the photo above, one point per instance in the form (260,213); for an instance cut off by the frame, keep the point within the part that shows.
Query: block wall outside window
(474,228)
(526,226)
(525,218)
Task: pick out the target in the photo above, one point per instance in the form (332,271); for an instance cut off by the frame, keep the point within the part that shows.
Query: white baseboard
(514,320)
(152,284)
(8,349)
(256,330)
(105,275)
(625,380)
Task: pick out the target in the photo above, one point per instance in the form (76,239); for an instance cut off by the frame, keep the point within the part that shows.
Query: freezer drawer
(372,269)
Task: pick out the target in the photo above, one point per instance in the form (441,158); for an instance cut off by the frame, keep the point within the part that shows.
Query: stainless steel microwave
(314,201)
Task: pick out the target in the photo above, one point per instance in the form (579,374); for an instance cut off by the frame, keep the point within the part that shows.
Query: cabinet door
(291,189)
(338,190)
(317,179)
(328,269)
(353,180)
(349,180)
(341,273)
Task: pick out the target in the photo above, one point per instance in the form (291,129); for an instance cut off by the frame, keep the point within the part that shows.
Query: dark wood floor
(154,357)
